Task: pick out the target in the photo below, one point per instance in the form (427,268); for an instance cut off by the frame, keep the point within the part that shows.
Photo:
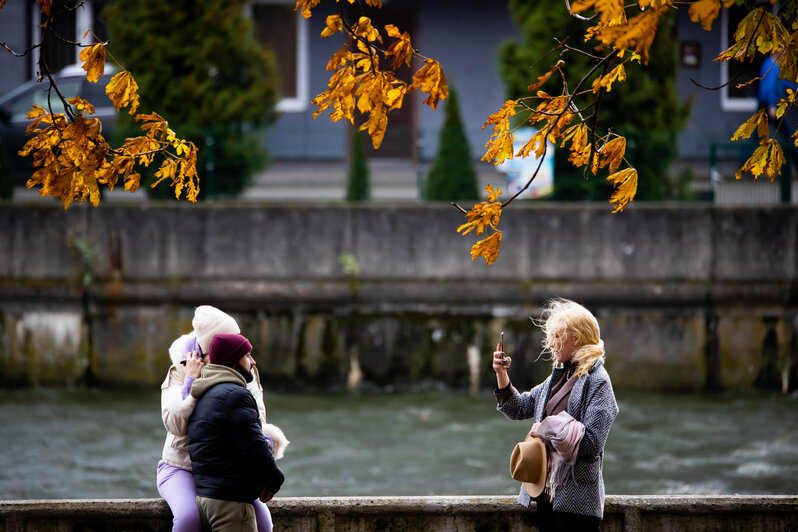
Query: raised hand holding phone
(501,363)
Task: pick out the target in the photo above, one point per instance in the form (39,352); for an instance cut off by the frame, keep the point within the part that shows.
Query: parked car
(14,105)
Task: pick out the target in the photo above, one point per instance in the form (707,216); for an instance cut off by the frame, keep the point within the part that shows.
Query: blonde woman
(572,410)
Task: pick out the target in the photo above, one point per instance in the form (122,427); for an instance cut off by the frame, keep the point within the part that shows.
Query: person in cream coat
(188,355)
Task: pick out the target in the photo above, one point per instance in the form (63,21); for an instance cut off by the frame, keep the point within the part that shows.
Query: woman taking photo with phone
(572,410)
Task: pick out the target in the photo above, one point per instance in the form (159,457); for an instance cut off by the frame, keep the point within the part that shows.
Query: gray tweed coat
(592,402)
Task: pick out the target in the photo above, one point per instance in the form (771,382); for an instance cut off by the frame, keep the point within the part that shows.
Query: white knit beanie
(209,321)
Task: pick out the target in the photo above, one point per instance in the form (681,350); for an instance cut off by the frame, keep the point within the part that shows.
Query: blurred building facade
(464,36)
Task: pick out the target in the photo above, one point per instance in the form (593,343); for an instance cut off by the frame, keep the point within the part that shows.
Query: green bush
(198,64)
(452,176)
(357,182)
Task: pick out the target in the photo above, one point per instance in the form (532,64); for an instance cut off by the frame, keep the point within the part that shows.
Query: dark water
(105,444)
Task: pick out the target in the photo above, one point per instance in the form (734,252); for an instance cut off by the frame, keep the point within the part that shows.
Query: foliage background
(198,63)
(646,108)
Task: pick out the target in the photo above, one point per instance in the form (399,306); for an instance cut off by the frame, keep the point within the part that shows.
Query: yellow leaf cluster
(483,215)
(767,159)
(625,183)
(73,158)
(760,28)
(500,145)
(358,83)
(635,34)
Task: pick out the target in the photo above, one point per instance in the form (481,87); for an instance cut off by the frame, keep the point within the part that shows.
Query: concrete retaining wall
(689,296)
(419,514)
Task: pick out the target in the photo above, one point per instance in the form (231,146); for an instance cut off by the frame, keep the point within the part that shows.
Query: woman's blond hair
(578,322)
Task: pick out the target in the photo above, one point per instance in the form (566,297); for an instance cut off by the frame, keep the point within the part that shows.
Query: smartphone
(501,347)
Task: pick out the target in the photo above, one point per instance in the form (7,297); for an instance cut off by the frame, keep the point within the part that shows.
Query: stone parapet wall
(731,513)
(689,296)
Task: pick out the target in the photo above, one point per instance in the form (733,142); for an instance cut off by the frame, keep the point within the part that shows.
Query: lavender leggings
(176,486)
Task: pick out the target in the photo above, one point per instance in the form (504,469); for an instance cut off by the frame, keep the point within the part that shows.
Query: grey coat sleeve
(522,405)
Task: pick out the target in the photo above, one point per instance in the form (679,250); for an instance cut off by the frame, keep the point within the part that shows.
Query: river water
(88,443)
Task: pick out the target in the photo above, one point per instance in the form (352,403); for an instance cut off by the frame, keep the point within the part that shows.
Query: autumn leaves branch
(71,154)
(358,82)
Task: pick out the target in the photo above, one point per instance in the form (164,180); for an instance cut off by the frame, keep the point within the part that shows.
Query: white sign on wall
(520,169)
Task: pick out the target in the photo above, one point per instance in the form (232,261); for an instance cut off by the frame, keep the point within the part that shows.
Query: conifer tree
(357,183)
(452,176)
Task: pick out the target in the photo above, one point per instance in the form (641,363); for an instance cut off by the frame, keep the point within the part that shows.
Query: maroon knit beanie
(227,349)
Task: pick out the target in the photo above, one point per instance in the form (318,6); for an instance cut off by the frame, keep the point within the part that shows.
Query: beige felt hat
(528,465)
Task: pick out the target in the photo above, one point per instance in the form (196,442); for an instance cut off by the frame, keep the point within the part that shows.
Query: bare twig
(577,15)
(577,50)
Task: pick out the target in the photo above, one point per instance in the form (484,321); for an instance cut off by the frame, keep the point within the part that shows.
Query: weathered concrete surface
(643,513)
(689,296)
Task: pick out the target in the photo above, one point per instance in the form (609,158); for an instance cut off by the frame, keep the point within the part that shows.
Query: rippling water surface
(105,444)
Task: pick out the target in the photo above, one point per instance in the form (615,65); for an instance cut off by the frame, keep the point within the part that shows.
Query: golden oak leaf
(616,74)
(775,160)
(47,5)
(123,91)
(36,112)
(784,103)
(487,248)
(431,79)
(755,121)
(307,6)
(635,34)
(401,50)
(365,30)
(500,145)
(484,214)
(655,4)
(83,106)
(611,12)
(93,58)
(545,77)
(334,25)
(338,59)
(493,193)
(625,183)
(132,182)
(376,124)
(612,153)
(705,12)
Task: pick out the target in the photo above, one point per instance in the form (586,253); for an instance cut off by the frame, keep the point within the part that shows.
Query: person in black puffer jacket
(231,460)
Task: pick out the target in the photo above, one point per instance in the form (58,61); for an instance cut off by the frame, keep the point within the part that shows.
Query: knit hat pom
(209,321)
(227,349)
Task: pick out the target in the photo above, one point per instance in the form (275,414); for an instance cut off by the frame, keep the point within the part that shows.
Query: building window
(733,73)
(71,23)
(285,30)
